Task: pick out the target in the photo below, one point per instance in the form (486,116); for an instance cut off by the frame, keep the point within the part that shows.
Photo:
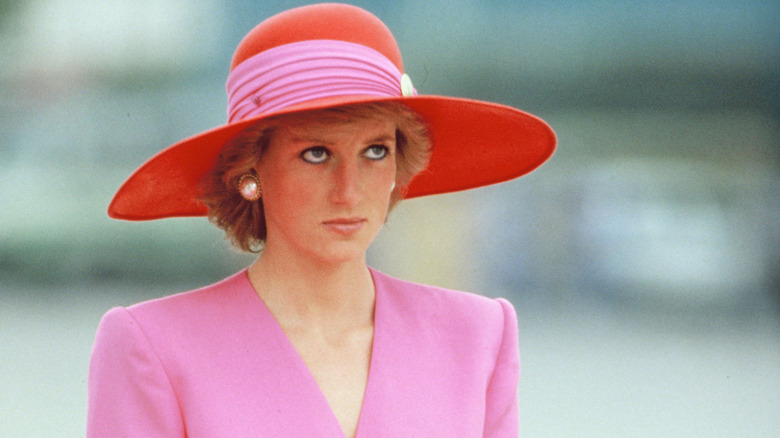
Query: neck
(299,289)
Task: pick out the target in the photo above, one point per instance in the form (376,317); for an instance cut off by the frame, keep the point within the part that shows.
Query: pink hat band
(298,72)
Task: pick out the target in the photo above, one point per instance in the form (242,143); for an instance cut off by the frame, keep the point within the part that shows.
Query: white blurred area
(60,37)
(642,259)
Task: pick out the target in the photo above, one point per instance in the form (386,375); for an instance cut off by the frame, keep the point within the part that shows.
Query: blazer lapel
(302,407)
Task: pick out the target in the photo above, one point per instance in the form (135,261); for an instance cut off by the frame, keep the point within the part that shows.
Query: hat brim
(475,144)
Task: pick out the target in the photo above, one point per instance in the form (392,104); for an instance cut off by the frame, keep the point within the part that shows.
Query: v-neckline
(301,366)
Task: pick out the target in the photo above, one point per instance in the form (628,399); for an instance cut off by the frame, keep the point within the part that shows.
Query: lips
(345,226)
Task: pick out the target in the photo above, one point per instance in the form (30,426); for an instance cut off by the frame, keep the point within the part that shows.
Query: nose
(346,188)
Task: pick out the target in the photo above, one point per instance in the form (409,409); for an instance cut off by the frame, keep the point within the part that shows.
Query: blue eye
(376,152)
(315,155)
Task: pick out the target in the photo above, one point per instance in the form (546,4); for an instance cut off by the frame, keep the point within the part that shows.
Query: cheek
(282,195)
(386,171)
(381,186)
(291,192)
(390,176)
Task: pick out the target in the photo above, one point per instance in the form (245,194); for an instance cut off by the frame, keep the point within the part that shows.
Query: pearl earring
(249,187)
(392,187)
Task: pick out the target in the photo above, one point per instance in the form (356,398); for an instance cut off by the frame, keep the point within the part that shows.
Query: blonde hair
(244,221)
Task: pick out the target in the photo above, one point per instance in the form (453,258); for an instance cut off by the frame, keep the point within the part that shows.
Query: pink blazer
(215,363)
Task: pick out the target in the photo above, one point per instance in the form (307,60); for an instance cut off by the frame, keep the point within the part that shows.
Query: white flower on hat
(407,89)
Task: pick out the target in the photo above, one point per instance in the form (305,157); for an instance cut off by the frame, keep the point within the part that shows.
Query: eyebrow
(319,140)
(382,138)
(309,139)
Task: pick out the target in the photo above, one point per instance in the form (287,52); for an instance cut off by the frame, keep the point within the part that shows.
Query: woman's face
(326,187)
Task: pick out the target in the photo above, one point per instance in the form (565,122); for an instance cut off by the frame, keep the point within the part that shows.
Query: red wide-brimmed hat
(326,55)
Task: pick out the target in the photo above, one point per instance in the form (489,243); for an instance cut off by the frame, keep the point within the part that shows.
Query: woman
(325,135)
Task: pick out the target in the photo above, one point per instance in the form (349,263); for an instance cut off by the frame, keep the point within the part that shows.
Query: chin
(343,252)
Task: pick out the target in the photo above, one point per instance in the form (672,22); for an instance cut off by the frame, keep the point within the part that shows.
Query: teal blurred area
(643,259)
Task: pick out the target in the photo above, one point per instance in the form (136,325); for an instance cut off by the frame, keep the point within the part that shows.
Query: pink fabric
(298,72)
(214,363)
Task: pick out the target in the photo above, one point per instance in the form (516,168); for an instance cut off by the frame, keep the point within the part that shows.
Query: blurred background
(643,259)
